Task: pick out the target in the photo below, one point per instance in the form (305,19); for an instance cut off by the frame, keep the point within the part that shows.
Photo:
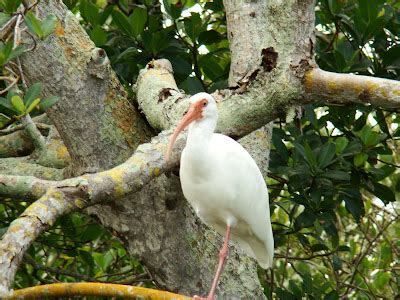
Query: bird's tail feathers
(262,253)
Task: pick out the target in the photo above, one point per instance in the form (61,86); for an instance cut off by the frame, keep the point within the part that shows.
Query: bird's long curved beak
(193,114)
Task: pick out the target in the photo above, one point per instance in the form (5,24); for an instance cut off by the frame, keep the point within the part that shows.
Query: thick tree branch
(15,144)
(28,167)
(332,87)
(72,194)
(93,289)
(92,101)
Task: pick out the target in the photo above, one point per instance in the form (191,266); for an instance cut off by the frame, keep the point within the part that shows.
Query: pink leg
(223,253)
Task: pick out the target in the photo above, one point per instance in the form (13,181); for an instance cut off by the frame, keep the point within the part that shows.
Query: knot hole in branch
(269,59)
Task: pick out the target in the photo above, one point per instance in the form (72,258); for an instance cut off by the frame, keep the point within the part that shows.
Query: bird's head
(202,108)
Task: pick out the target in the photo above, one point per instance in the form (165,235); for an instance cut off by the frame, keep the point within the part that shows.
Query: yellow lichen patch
(36,209)
(331,85)
(308,80)
(59,30)
(62,152)
(79,203)
(260,134)
(38,190)
(372,87)
(135,160)
(156,172)
(117,175)
(396,92)
(357,88)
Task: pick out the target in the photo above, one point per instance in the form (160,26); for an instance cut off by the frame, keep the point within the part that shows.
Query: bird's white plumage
(224,185)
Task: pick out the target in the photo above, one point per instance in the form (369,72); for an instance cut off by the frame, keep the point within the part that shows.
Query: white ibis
(224,185)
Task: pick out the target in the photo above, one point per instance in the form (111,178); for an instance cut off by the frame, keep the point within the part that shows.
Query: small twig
(14,82)
(366,252)
(21,73)
(28,259)
(387,163)
(31,129)
(31,6)
(304,258)
(9,130)
(7,28)
(277,178)
(17,36)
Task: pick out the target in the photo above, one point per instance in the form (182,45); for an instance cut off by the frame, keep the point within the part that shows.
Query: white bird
(223,184)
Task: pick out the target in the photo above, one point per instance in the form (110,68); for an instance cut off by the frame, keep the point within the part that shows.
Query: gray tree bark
(100,129)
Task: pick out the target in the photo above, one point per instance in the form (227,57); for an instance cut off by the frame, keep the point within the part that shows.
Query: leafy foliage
(17,106)
(334,171)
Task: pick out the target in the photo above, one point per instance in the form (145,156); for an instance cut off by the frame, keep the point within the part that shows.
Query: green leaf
(343,248)
(192,85)
(32,93)
(391,57)
(337,263)
(352,148)
(138,20)
(172,8)
(98,36)
(333,295)
(383,192)
(34,24)
(355,206)
(18,104)
(33,105)
(48,102)
(193,26)
(90,12)
(341,143)
(10,6)
(48,25)
(105,14)
(284,294)
(104,260)
(16,52)
(210,37)
(210,66)
(326,155)
(122,22)
(318,247)
(336,174)
(307,284)
(295,289)
(7,104)
(370,137)
(306,153)
(305,219)
(280,147)
(4,18)
(382,279)
(4,120)
(92,232)
(360,159)
(5,51)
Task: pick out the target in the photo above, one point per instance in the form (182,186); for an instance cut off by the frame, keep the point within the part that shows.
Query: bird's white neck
(199,136)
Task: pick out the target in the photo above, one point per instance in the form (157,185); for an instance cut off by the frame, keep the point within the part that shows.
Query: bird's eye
(205,103)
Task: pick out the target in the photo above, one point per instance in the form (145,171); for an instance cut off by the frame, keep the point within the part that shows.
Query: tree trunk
(100,129)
